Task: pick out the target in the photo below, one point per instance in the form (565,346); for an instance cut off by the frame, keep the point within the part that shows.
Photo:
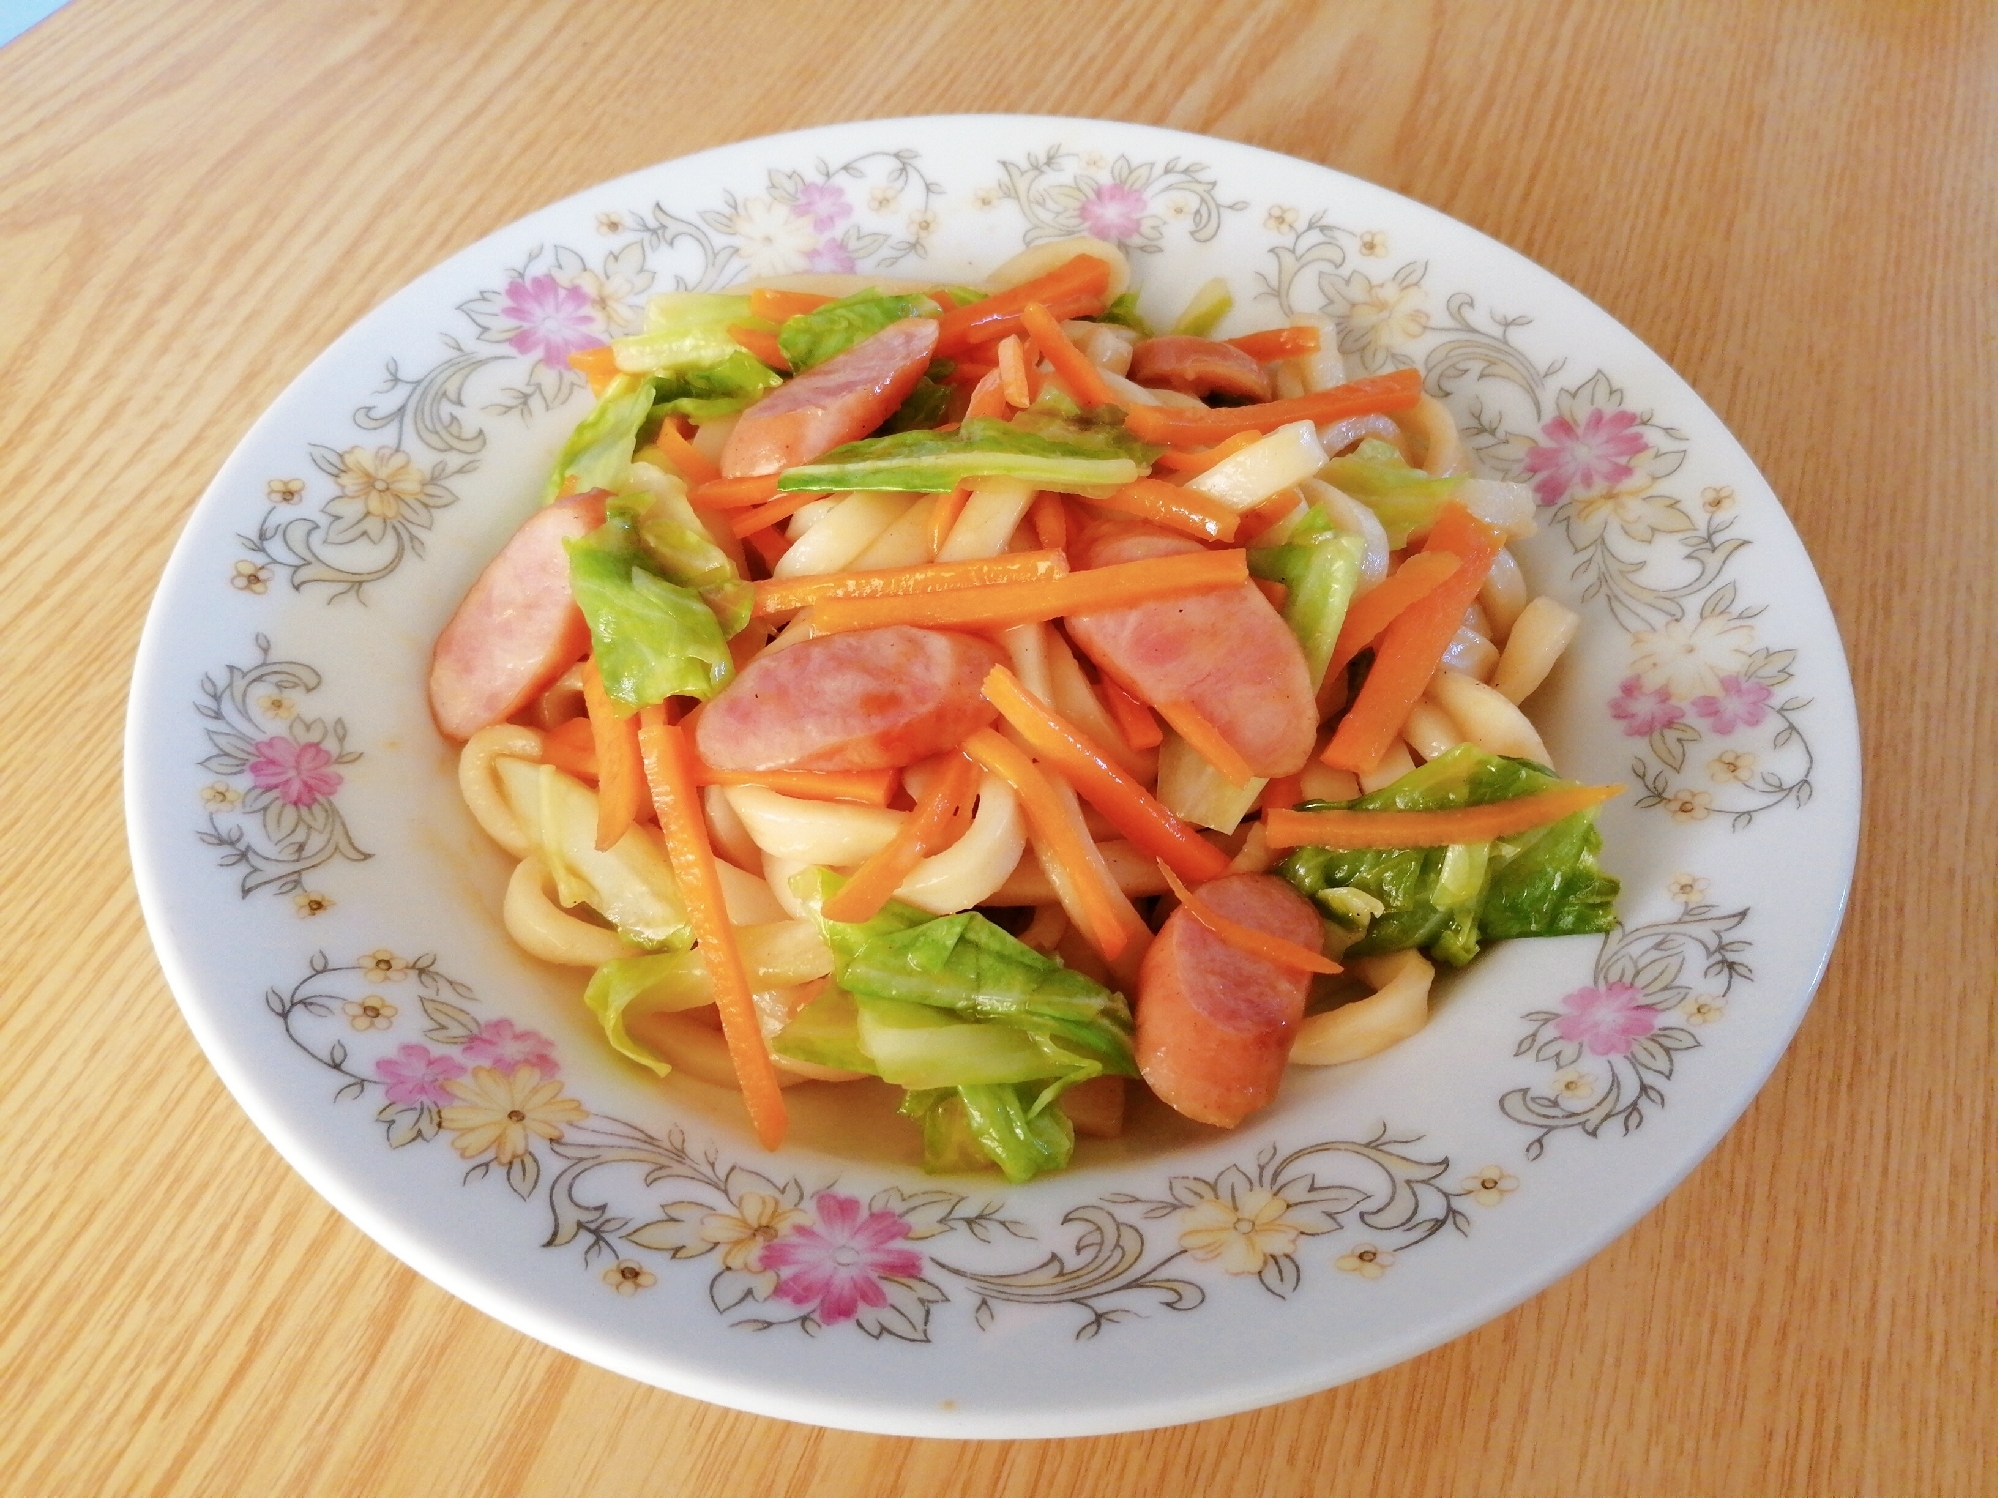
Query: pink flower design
(1643,713)
(1741,704)
(298,772)
(1606,1019)
(1113,211)
(416,1074)
(555,320)
(1587,459)
(505,1049)
(822,203)
(830,255)
(836,1266)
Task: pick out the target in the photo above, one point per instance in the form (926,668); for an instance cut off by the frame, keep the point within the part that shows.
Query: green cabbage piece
(1449,901)
(1123,310)
(679,548)
(935,462)
(598,452)
(925,406)
(1099,430)
(653,639)
(1321,570)
(813,337)
(966,1127)
(659,983)
(683,330)
(715,390)
(1405,499)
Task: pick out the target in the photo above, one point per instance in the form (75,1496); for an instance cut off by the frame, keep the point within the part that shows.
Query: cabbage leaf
(934,462)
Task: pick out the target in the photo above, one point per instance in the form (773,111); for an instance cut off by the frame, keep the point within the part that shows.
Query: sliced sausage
(1199,366)
(870,700)
(1228,655)
(841,400)
(1215,1024)
(518,628)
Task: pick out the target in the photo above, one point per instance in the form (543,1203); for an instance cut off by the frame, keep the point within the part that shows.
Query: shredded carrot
(769,544)
(781,595)
(669,766)
(1430,829)
(923,833)
(970,371)
(943,515)
(772,305)
(1184,510)
(1277,593)
(1103,904)
(1179,426)
(1005,604)
(748,522)
(1014,378)
(869,787)
(1373,612)
(597,365)
(762,344)
(1245,938)
(1277,343)
(1134,720)
(1076,286)
(988,396)
(620,780)
(1206,741)
(1077,370)
(571,747)
(1201,459)
(1410,648)
(1049,518)
(1130,808)
(694,465)
(1285,790)
(1260,518)
(735,494)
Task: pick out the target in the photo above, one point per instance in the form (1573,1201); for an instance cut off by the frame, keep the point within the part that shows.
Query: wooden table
(1794,203)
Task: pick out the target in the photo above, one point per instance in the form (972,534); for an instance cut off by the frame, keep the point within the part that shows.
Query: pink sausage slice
(1199,366)
(1229,655)
(871,700)
(1216,1024)
(841,400)
(518,628)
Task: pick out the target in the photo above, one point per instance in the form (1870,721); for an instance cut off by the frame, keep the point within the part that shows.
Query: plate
(327,913)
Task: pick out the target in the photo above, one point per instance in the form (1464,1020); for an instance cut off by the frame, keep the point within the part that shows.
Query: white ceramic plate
(327,913)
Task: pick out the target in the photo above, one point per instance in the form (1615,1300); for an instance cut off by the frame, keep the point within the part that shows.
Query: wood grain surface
(1793,202)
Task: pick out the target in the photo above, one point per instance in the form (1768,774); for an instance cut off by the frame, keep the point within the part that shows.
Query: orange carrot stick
(1077,370)
(772,305)
(1178,426)
(781,595)
(943,515)
(1277,343)
(1206,741)
(769,545)
(669,766)
(1410,649)
(988,396)
(869,787)
(620,779)
(1005,604)
(763,345)
(1285,790)
(1184,510)
(695,466)
(1247,938)
(1259,518)
(1277,593)
(749,522)
(1104,907)
(1128,806)
(597,365)
(1083,278)
(1134,720)
(1013,376)
(1050,521)
(571,747)
(923,833)
(1284,828)
(1373,612)
(735,494)
(1202,459)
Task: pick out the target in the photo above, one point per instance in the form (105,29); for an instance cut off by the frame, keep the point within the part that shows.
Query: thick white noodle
(1396,763)
(1144,395)
(777,873)
(906,543)
(712,436)
(690,1045)
(544,929)
(1038,260)
(1321,782)
(1439,450)
(843,535)
(1136,872)
(1324,369)
(1486,718)
(807,516)
(1337,436)
(1430,731)
(838,834)
(1354,519)
(991,514)
(1503,594)
(1277,460)
(969,870)
(1398,1007)
(1510,507)
(1076,701)
(478,782)
(747,900)
(1542,632)
(725,830)
(1106,345)
(1257,856)
(1471,654)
